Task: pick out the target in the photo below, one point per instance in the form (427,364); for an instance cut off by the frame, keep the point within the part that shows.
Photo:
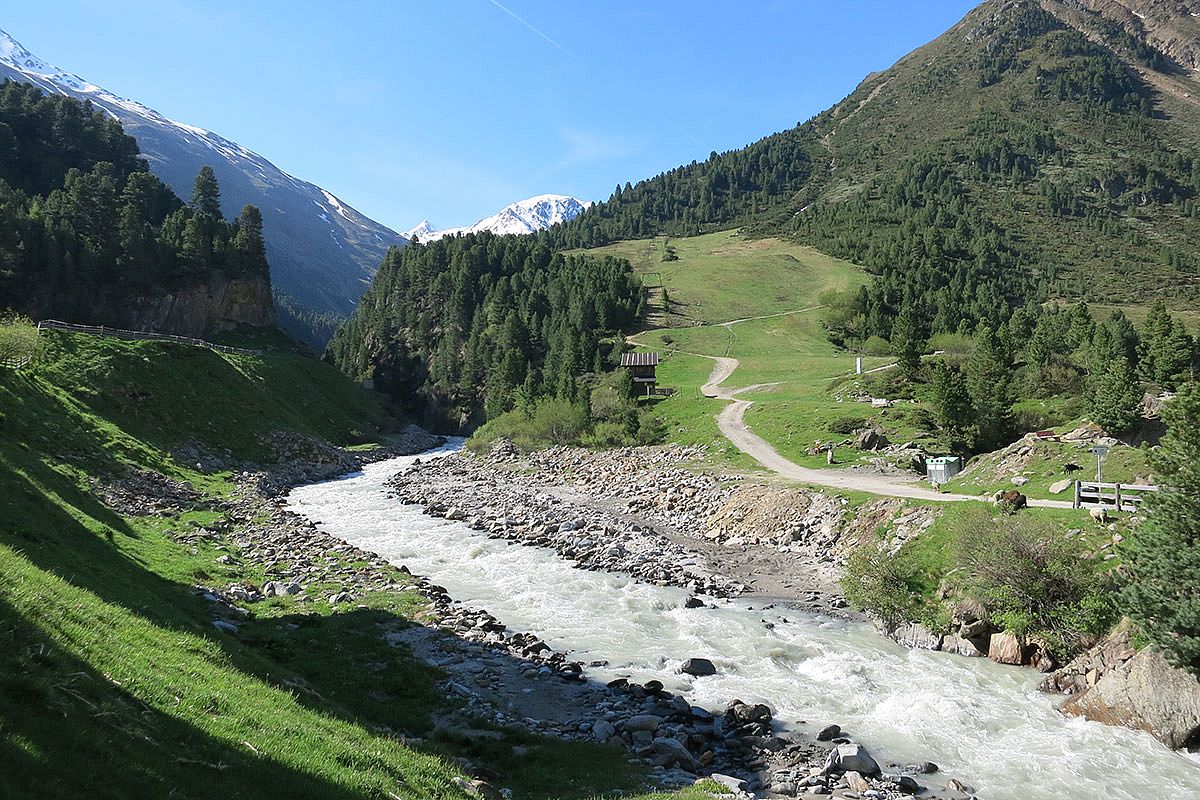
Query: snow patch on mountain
(524,216)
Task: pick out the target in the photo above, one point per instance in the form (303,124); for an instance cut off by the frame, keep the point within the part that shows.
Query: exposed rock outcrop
(1116,684)
(202,309)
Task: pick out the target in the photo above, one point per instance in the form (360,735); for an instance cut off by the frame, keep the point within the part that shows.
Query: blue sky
(452,109)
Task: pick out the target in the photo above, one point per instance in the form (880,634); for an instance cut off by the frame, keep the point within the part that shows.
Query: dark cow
(1071,468)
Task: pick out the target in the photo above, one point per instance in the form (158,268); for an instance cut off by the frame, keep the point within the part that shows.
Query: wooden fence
(117,333)
(1118,496)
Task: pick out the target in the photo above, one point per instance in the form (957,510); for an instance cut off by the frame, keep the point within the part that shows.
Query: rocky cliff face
(1116,684)
(1172,27)
(203,308)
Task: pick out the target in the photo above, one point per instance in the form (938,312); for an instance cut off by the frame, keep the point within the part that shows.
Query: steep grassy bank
(109,662)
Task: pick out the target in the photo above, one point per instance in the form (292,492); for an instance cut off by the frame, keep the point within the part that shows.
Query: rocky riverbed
(514,678)
(647,513)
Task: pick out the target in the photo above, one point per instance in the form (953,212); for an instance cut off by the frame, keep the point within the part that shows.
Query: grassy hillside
(109,663)
(723,277)
(1035,150)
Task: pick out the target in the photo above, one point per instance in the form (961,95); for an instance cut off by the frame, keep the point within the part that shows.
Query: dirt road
(732,422)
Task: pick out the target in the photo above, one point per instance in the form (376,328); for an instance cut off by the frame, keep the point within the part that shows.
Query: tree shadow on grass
(67,731)
(347,665)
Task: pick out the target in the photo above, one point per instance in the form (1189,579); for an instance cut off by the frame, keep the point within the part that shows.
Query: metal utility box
(942,469)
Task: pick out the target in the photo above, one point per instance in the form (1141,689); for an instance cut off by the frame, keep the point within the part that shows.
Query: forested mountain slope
(1033,150)
(468,327)
(323,251)
(88,234)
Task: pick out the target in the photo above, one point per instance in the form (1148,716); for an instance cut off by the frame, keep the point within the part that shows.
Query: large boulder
(698,667)
(851,757)
(1145,693)
(871,438)
(917,636)
(1006,648)
(643,722)
(673,753)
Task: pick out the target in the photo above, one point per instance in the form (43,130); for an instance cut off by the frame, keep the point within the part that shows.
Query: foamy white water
(980,722)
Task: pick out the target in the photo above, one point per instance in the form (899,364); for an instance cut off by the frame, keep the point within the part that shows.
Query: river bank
(1015,688)
(502,677)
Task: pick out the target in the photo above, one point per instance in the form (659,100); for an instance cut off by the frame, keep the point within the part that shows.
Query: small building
(941,469)
(644,367)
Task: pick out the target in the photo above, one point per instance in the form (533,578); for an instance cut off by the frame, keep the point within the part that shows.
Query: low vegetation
(107,653)
(1035,581)
(19,341)
(610,416)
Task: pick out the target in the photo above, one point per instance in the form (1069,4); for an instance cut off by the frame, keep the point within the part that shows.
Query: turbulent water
(981,722)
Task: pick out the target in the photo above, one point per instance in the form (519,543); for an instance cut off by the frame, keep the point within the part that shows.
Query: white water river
(980,722)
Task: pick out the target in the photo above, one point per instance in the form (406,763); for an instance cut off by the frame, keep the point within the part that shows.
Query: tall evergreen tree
(1162,556)
(248,246)
(206,194)
(989,380)
(1113,396)
(954,409)
(908,340)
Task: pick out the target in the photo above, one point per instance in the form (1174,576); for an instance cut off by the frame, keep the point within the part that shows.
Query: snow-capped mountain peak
(524,216)
(423,230)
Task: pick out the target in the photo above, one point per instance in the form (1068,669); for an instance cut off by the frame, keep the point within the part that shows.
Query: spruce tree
(989,378)
(1114,396)
(954,410)
(249,248)
(1162,556)
(206,194)
(908,340)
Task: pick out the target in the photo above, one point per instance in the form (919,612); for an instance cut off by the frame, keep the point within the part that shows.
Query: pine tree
(1163,555)
(908,340)
(1114,396)
(954,410)
(248,246)
(206,194)
(989,378)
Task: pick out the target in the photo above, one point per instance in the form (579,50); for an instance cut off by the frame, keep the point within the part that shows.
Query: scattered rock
(851,757)
(699,667)
(829,733)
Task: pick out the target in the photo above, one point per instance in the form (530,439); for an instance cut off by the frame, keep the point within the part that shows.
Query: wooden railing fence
(1117,496)
(101,330)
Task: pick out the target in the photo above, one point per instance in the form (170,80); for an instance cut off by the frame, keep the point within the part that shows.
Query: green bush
(846,425)
(1032,579)
(551,421)
(876,346)
(881,585)
(18,338)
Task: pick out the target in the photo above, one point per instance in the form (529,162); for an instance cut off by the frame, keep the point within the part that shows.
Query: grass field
(806,390)
(109,664)
(721,277)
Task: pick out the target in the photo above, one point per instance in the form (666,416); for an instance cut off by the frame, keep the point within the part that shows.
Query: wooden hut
(644,367)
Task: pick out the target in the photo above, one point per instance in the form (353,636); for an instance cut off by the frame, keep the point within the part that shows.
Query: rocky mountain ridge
(524,216)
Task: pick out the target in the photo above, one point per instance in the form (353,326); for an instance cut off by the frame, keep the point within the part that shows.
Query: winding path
(732,423)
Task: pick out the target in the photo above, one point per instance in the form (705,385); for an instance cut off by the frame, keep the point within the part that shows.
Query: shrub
(1032,579)
(651,428)
(550,422)
(954,346)
(18,338)
(876,346)
(607,434)
(881,585)
(846,425)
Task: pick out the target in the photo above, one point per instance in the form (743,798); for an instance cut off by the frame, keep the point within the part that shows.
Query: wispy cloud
(587,147)
(521,20)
